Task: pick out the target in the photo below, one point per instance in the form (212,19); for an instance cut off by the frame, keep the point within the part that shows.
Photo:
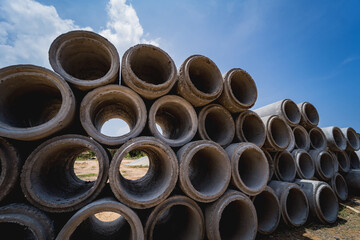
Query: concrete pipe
(354,159)
(148,70)
(343,161)
(112,102)
(284,166)
(239,93)
(294,205)
(291,145)
(178,217)
(175,117)
(324,164)
(10,166)
(317,139)
(22,221)
(335,139)
(335,161)
(156,185)
(352,139)
(277,133)
(216,124)
(87,223)
(34,103)
(204,171)
(286,109)
(48,179)
(232,216)
(339,186)
(353,181)
(323,202)
(268,211)
(250,128)
(199,81)
(249,167)
(270,163)
(309,115)
(305,166)
(85,59)
(302,138)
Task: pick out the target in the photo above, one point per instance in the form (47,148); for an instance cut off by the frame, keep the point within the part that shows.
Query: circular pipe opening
(326,165)
(301,138)
(343,160)
(285,166)
(341,188)
(354,160)
(306,165)
(311,114)
(250,128)
(339,138)
(291,111)
(243,88)
(270,163)
(16,231)
(317,139)
(328,204)
(279,132)
(296,207)
(353,138)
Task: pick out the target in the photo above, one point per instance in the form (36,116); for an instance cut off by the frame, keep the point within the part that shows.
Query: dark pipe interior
(312,114)
(328,204)
(292,112)
(267,210)
(253,129)
(243,87)
(296,206)
(279,132)
(16,231)
(219,127)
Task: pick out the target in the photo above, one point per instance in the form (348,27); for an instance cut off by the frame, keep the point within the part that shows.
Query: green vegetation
(135,154)
(87,175)
(139,166)
(85,156)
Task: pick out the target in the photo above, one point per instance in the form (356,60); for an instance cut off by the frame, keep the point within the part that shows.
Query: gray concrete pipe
(48,180)
(156,185)
(335,161)
(352,139)
(323,202)
(309,115)
(240,92)
(249,167)
(343,161)
(305,166)
(284,166)
(109,102)
(178,217)
(84,59)
(324,164)
(200,81)
(85,223)
(294,205)
(291,145)
(22,221)
(177,119)
(232,216)
(335,139)
(250,128)
(10,166)
(302,138)
(354,159)
(34,103)
(277,133)
(317,139)
(286,109)
(339,186)
(148,70)
(353,181)
(216,124)
(270,163)
(204,170)
(267,207)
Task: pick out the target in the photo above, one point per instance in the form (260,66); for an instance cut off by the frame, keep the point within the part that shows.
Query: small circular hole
(115,127)
(134,165)
(107,216)
(86,166)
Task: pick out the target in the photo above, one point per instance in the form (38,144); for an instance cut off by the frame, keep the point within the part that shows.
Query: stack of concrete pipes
(217,169)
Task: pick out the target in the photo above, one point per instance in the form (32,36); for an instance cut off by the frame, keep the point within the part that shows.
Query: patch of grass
(139,166)
(87,175)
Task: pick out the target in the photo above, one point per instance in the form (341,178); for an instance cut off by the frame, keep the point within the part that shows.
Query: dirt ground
(347,226)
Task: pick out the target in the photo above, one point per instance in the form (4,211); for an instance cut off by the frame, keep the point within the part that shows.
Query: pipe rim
(343,160)
(290,164)
(324,168)
(354,159)
(276,140)
(353,139)
(286,214)
(321,200)
(270,162)
(242,123)
(299,158)
(310,114)
(302,138)
(317,138)
(339,186)
(290,112)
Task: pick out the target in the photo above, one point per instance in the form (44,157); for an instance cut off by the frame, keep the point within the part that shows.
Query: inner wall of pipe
(341,187)
(292,111)
(279,132)
(16,231)
(311,113)
(326,165)
(300,138)
(354,160)
(353,139)
(218,126)
(317,139)
(339,138)
(253,129)
(85,59)
(267,210)
(296,206)
(328,204)
(286,167)
(306,166)
(243,87)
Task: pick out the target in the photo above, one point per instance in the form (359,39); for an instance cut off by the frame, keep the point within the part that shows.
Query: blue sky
(302,50)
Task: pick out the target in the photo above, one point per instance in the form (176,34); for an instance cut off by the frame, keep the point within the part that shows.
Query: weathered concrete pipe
(249,167)
(204,170)
(270,163)
(302,138)
(277,133)
(239,93)
(309,115)
(353,181)
(84,59)
(294,204)
(305,166)
(267,207)
(10,166)
(323,202)
(286,109)
(148,70)
(250,128)
(232,216)
(324,164)
(343,161)
(87,223)
(284,166)
(216,124)
(339,186)
(178,217)
(48,179)
(159,180)
(110,102)
(291,145)
(335,139)
(34,102)
(177,119)
(354,159)
(352,139)
(22,221)
(317,139)
(199,81)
